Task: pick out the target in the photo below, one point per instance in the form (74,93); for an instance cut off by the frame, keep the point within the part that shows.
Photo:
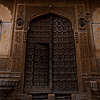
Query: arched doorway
(50,56)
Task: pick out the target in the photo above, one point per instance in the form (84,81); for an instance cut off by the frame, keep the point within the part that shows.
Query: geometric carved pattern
(17,52)
(41,65)
(93,66)
(32,11)
(18,38)
(64,58)
(85,66)
(51,50)
(84,45)
(37,53)
(84,51)
(83,38)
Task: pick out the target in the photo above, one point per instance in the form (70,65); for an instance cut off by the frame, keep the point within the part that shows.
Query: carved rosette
(20,17)
(80,18)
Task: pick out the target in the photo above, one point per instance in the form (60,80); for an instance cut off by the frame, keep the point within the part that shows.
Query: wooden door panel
(50,56)
(64,57)
(38,56)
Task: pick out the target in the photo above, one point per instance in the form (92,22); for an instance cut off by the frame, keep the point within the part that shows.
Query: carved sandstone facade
(52,50)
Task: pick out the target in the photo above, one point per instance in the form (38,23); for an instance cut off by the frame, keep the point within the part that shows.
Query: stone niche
(96,30)
(5,30)
(5,36)
(96,34)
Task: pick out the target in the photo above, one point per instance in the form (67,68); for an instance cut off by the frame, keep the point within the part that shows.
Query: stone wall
(6,31)
(84,15)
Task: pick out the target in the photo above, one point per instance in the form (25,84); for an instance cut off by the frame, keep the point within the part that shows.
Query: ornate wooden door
(50,56)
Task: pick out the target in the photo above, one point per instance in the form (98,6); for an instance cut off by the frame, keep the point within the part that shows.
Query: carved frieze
(38,10)
(23,97)
(8,82)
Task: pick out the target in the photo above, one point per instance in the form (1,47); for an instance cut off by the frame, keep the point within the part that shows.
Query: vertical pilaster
(18,40)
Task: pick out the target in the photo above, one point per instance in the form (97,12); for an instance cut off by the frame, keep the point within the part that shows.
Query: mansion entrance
(50,57)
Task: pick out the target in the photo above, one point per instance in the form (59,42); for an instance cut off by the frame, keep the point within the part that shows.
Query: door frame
(74,31)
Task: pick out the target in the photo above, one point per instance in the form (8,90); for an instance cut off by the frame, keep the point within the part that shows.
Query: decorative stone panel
(80,18)
(66,11)
(18,38)
(16,64)
(20,17)
(3,64)
(84,51)
(8,82)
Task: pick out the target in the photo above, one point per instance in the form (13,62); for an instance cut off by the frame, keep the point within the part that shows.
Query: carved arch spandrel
(66,16)
(27,28)
(65,11)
